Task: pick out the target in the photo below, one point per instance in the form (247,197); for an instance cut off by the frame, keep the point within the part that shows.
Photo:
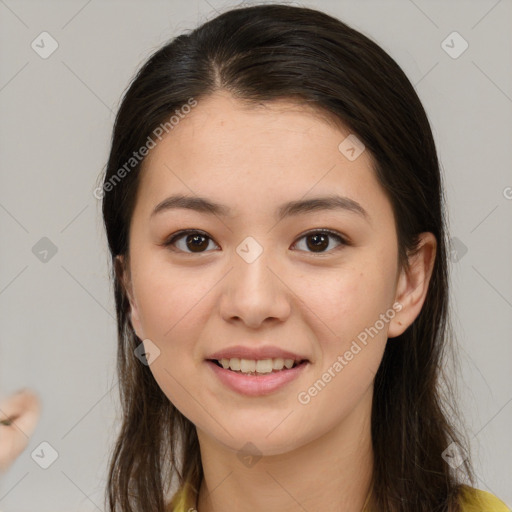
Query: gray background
(57,317)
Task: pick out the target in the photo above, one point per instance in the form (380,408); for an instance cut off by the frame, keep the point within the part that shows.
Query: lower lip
(256,385)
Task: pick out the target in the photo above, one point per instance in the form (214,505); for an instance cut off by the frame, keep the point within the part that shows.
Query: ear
(124,277)
(413,285)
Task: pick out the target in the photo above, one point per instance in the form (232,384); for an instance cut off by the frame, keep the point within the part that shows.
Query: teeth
(278,363)
(256,366)
(246,365)
(288,363)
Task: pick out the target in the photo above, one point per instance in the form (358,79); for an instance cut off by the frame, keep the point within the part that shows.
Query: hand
(19,414)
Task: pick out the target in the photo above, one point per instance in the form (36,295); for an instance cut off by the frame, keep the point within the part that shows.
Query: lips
(256,385)
(256,353)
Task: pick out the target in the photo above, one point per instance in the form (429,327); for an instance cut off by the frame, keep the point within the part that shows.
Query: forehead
(235,152)
(235,131)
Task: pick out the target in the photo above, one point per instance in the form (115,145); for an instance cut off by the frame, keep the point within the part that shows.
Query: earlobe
(413,283)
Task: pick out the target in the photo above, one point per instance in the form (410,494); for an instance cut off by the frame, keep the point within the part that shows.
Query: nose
(255,291)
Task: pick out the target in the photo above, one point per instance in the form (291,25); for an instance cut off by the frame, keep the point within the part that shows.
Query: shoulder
(183,500)
(471,500)
(475,500)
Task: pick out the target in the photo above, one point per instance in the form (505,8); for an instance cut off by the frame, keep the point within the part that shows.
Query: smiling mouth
(260,367)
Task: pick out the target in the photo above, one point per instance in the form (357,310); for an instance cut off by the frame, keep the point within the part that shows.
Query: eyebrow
(204,205)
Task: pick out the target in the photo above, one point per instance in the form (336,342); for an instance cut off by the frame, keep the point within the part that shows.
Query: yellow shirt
(473,500)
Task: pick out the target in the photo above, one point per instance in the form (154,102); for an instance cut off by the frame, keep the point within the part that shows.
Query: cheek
(173,308)
(347,299)
(169,299)
(344,309)
(344,313)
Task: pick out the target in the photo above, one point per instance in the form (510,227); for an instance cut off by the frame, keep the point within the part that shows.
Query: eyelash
(180,234)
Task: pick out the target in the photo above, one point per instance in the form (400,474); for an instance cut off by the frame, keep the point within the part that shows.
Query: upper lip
(267,352)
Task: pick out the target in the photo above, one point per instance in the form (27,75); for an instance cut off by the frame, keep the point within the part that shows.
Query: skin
(316,455)
(19,414)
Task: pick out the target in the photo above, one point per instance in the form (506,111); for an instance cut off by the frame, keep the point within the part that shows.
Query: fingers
(19,414)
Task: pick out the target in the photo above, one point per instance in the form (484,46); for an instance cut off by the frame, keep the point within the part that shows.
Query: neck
(331,472)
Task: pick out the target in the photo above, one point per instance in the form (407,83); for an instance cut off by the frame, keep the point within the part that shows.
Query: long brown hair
(263,53)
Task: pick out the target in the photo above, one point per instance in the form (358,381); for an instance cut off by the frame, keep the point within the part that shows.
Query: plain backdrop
(56,307)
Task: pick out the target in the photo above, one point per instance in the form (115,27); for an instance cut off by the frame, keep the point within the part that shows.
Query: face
(246,276)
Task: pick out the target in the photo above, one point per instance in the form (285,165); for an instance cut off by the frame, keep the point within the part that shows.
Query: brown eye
(190,241)
(318,241)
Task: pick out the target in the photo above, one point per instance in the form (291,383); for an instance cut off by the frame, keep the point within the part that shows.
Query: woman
(274,211)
